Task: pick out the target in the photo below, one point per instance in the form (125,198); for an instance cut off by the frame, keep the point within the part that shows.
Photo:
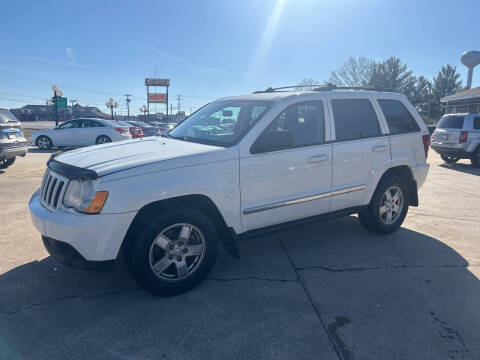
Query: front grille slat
(53,188)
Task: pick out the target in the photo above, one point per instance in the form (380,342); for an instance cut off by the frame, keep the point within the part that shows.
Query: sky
(96,50)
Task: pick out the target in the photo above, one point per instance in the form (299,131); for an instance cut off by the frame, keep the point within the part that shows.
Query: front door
(64,134)
(293,182)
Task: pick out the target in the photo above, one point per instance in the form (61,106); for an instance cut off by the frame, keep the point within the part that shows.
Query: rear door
(361,150)
(92,129)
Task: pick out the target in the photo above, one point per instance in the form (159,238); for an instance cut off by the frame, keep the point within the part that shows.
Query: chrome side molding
(303,199)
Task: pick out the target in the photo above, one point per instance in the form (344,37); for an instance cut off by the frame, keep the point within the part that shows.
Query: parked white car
(290,158)
(80,132)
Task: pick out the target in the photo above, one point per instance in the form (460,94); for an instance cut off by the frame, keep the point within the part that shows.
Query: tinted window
(92,123)
(451,122)
(354,119)
(304,121)
(71,124)
(398,118)
(476,123)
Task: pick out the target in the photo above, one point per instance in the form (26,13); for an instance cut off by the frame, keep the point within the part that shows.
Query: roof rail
(326,87)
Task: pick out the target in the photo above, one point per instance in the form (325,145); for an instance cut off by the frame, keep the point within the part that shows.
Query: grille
(53,187)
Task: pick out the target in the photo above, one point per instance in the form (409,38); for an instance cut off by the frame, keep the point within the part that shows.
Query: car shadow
(36,150)
(461,167)
(248,307)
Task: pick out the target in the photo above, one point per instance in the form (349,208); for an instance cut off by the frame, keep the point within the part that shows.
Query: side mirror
(273,141)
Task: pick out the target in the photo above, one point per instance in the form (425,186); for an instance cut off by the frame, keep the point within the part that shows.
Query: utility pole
(73,101)
(179,99)
(128,104)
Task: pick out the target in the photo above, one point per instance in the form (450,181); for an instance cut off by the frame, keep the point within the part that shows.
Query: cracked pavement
(329,290)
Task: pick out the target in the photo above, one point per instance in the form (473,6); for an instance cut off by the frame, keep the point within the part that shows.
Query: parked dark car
(148,130)
(12,140)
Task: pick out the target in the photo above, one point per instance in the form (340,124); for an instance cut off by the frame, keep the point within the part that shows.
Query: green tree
(447,82)
(392,74)
(421,94)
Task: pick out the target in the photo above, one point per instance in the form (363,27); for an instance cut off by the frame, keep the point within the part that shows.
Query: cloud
(155,50)
(70,54)
(71,64)
(195,67)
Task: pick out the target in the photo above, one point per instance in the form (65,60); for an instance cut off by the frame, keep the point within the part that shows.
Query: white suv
(237,167)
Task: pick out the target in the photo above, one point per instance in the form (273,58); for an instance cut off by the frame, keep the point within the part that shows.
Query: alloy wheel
(391,205)
(43,143)
(177,252)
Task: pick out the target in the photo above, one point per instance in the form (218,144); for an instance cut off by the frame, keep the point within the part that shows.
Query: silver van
(456,137)
(12,140)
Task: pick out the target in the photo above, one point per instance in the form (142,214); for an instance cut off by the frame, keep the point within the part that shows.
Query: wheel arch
(194,201)
(406,173)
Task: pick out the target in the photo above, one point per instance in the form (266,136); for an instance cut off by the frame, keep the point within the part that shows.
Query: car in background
(148,130)
(81,132)
(164,127)
(135,131)
(456,137)
(12,140)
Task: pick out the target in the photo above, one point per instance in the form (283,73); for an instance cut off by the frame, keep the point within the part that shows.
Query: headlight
(81,196)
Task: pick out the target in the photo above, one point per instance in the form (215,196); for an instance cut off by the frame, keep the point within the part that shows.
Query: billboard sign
(157,82)
(157,98)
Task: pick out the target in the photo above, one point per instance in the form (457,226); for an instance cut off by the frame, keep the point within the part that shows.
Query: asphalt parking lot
(330,290)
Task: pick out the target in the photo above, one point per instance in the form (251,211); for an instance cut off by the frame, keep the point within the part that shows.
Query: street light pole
(57,93)
(111,104)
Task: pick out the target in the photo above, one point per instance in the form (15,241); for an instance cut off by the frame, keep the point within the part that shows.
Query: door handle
(379,148)
(318,158)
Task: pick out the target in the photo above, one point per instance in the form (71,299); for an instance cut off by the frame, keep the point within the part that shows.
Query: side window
(354,119)
(303,124)
(399,119)
(71,124)
(476,123)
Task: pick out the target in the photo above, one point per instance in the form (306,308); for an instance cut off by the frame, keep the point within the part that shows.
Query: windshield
(6,117)
(220,123)
(451,122)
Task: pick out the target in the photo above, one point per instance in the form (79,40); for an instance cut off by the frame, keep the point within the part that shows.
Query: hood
(122,155)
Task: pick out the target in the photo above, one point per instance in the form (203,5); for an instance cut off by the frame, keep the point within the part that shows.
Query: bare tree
(356,71)
(306,84)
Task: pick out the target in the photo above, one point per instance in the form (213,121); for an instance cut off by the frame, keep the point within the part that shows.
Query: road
(330,290)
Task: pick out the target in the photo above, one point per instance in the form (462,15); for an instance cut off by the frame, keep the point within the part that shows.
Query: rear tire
(449,159)
(174,252)
(475,159)
(4,163)
(103,139)
(388,207)
(44,142)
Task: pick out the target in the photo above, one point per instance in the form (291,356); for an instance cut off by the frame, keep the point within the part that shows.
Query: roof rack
(326,87)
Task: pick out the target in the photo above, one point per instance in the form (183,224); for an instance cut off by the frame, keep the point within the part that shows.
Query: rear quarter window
(399,119)
(451,122)
(476,123)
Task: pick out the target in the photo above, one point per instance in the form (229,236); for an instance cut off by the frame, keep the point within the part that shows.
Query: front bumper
(93,237)
(451,151)
(10,150)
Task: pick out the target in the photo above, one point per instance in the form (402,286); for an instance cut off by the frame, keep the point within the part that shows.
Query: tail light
(426,144)
(121,130)
(463,137)
(136,132)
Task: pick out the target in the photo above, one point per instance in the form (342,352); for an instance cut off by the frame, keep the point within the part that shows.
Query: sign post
(157,98)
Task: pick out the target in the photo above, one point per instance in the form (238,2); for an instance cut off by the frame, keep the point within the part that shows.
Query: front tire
(44,142)
(449,159)
(388,207)
(4,163)
(174,252)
